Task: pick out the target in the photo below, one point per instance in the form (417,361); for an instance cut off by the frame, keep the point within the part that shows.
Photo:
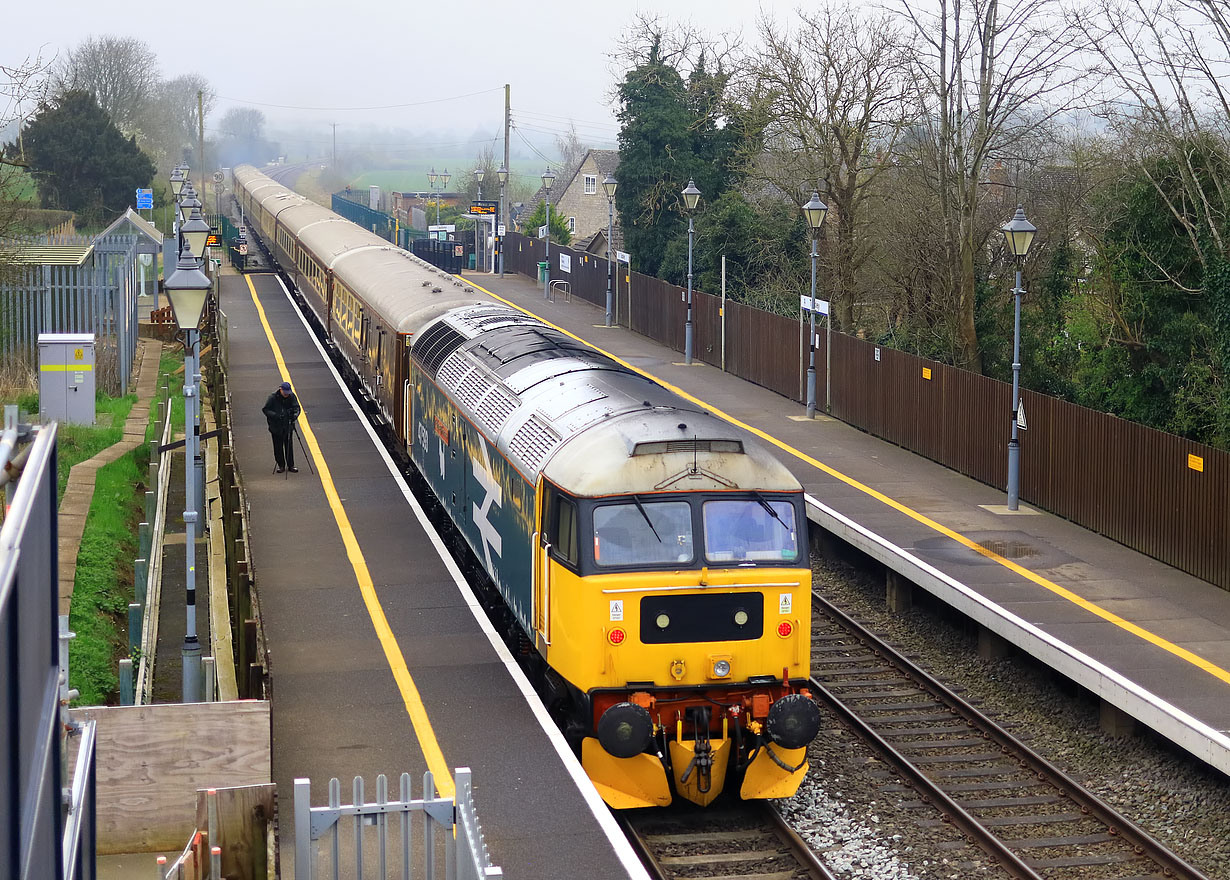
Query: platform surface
(1166,632)
(337,709)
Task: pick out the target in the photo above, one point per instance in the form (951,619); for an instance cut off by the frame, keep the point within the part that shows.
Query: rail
(148,586)
(450,837)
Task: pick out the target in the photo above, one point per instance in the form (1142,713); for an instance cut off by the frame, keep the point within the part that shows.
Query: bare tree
(120,72)
(834,94)
(22,85)
(570,147)
(172,119)
(988,72)
(1167,66)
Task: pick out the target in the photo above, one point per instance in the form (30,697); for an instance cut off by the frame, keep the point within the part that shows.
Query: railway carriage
(651,558)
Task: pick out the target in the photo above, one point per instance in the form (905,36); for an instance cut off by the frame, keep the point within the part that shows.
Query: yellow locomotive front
(674,598)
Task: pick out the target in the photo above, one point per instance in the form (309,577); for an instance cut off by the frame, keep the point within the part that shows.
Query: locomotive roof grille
(661,447)
(436,344)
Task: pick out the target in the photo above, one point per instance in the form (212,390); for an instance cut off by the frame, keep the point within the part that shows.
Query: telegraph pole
(507,218)
(334,166)
(200,121)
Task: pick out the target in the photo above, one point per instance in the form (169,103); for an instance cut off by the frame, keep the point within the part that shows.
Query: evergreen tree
(672,130)
(560,234)
(80,160)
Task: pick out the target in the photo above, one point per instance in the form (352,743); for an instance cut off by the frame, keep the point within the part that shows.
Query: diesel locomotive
(651,559)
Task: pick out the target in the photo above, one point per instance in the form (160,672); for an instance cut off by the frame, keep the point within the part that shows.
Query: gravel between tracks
(1184,804)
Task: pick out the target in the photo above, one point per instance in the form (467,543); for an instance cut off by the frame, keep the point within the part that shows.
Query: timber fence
(1163,495)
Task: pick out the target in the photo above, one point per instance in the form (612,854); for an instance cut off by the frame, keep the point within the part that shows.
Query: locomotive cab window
(560,528)
(747,531)
(643,533)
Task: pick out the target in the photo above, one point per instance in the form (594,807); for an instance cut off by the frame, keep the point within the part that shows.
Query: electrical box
(66,378)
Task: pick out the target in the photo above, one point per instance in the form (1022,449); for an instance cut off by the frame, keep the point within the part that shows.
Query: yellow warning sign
(1195,462)
(926,372)
(78,354)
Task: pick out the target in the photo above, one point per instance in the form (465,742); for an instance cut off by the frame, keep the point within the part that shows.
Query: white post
(723,315)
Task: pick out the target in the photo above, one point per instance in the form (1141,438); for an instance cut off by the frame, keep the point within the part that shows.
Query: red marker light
(785,628)
(616,636)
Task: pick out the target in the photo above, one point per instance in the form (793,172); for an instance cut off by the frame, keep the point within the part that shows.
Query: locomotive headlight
(625,730)
(663,620)
(793,721)
(721,669)
(740,617)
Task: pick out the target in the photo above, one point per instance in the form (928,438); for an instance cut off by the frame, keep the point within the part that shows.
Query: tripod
(306,457)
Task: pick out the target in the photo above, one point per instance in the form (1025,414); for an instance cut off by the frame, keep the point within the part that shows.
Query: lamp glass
(478,174)
(502,174)
(691,195)
(431,177)
(815,211)
(177,182)
(548,178)
(187,289)
(1019,233)
(610,185)
(196,233)
(444,178)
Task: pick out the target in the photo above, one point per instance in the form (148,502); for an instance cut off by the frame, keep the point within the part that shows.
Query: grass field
(415,179)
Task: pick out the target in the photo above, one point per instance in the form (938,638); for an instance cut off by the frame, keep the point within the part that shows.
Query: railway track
(746,840)
(1016,807)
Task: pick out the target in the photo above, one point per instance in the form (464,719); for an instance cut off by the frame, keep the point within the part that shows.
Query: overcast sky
(342,55)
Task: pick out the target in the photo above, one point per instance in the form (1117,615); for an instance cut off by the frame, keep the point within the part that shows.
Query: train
(650,559)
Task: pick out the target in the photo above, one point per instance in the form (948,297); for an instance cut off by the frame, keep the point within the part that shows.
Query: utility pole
(507,214)
(200,121)
(333,168)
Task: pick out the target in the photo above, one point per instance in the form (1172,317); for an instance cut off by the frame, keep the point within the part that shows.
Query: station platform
(1151,641)
(379,658)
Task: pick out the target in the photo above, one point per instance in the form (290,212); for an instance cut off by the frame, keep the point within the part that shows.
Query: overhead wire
(346,109)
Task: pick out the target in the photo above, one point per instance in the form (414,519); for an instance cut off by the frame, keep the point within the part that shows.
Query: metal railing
(450,837)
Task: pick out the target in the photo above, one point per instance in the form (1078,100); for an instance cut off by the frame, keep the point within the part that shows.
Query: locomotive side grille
(494,409)
(435,344)
(533,442)
(471,389)
(453,371)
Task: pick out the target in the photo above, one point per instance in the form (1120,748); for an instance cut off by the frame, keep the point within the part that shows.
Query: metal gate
(441,836)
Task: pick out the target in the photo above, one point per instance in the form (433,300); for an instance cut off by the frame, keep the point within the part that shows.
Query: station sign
(487,209)
(145,200)
(819,306)
(623,257)
(213,240)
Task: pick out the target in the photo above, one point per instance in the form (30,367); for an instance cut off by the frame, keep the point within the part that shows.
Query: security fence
(1155,492)
(98,296)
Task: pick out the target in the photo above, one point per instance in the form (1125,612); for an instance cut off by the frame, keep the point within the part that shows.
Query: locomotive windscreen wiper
(760,499)
(648,521)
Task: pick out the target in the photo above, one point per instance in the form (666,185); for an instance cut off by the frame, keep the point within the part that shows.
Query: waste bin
(473,258)
(542,271)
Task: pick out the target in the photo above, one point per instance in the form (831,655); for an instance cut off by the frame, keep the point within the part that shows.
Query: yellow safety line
(1177,650)
(392,651)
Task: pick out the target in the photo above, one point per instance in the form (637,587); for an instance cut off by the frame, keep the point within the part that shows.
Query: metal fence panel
(30,772)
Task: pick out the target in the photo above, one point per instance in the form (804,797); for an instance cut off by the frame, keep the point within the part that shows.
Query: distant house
(578,196)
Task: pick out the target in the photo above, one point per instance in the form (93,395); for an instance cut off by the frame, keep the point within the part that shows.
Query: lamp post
(502,174)
(1019,234)
(444,178)
(187,289)
(610,185)
(815,211)
(548,178)
(431,181)
(691,196)
(479,265)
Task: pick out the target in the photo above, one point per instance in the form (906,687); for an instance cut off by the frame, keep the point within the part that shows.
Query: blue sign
(145,200)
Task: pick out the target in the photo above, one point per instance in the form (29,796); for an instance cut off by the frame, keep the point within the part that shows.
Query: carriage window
(750,531)
(651,533)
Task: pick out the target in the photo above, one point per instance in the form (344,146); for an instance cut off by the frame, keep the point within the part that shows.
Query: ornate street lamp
(1019,235)
(548,178)
(195,232)
(502,174)
(815,211)
(610,185)
(479,223)
(691,196)
(187,289)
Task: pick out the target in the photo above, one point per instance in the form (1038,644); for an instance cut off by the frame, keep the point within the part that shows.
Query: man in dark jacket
(281,410)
